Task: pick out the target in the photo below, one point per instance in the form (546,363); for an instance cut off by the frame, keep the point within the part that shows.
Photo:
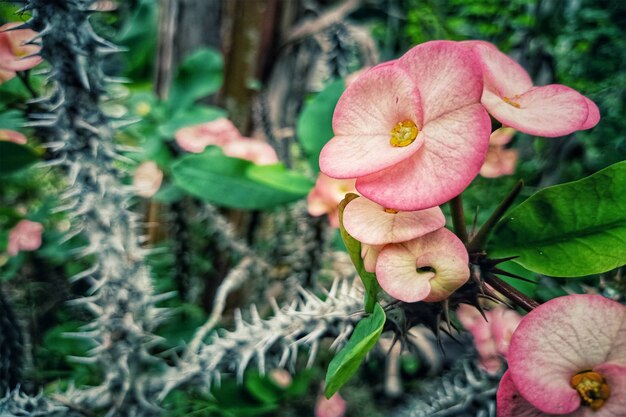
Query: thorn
(510,274)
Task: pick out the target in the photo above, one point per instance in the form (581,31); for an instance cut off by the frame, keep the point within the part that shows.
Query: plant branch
(458,218)
(511,293)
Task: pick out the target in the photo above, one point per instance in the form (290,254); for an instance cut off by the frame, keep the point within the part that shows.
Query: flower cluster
(16,54)
(223,133)
(25,236)
(414,133)
(567,357)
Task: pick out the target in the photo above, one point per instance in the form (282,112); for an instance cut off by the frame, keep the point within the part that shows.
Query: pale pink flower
(355,75)
(369,254)
(218,132)
(500,161)
(335,406)
(12,136)
(428,268)
(13,48)
(373,224)
(253,150)
(567,357)
(147,179)
(25,236)
(325,196)
(6,75)
(510,97)
(492,336)
(412,131)
(281,377)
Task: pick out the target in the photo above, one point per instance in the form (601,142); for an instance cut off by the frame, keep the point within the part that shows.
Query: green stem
(477,244)
(511,293)
(458,218)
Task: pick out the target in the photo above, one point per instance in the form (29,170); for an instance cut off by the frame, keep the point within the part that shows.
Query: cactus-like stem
(17,404)
(122,299)
(11,347)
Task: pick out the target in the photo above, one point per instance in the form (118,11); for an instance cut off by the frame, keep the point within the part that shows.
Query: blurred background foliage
(579,43)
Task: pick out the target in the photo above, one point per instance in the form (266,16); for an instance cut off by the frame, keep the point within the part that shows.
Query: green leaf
(314,126)
(14,157)
(569,230)
(198,76)
(354,249)
(348,360)
(11,120)
(236,183)
(194,116)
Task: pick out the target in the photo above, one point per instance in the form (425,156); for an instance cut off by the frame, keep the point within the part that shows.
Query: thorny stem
(477,244)
(511,293)
(458,218)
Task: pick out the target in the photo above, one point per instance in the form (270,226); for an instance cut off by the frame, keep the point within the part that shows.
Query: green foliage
(314,126)
(197,77)
(345,364)
(14,157)
(231,182)
(354,249)
(573,229)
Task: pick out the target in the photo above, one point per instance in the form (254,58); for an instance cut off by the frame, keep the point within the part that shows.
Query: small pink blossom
(15,55)
(254,150)
(12,136)
(567,357)
(25,236)
(147,179)
(492,336)
(281,377)
(335,406)
(218,132)
(412,131)
(326,195)
(511,98)
(369,254)
(373,224)
(428,268)
(500,161)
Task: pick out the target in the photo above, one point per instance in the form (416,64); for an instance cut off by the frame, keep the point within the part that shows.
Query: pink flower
(567,357)
(412,131)
(509,95)
(492,336)
(12,136)
(326,195)
(373,224)
(428,268)
(14,51)
(218,132)
(281,377)
(500,161)
(254,150)
(25,236)
(369,254)
(147,179)
(333,407)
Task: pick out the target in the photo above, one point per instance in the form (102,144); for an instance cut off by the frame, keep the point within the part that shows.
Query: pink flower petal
(593,117)
(402,268)
(13,48)
(6,75)
(335,406)
(501,136)
(510,402)
(364,117)
(218,132)
(454,149)
(254,150)
(369,254)
(369,223)
(448,76)
(147,179)
(326,195)
(499,162)
(25,236)
(550,111)
(502,75)
(560,338)
(12,136)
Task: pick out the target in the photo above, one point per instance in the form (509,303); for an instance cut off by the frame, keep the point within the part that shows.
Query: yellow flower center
(391,211)
(511,102)
(403,134)
(592,388)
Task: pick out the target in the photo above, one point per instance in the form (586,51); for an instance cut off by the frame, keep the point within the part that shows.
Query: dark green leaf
(196,115)
(231,182)
(14,157)
(348,360)
(198,76)
(314,127)
(569,230)
(354,249)
(11,120)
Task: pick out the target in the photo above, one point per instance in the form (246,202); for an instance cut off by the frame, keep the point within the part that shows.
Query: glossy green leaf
(345,364)
(14,157)
(11,119)
(199,75)
(569,230)
(314,126)
(231,182)
(194,116)
(354,249)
